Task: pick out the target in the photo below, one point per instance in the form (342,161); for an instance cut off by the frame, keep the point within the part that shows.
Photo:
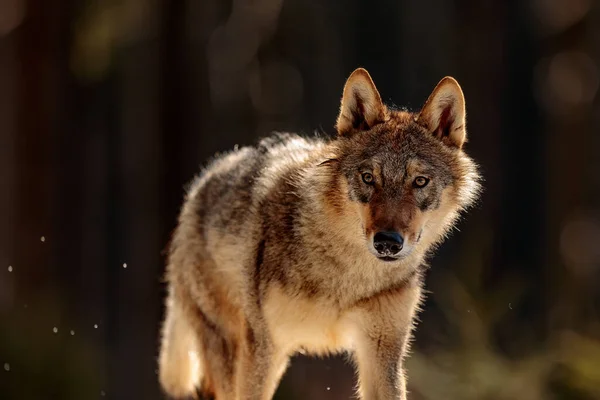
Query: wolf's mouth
(387,258)
(420,233)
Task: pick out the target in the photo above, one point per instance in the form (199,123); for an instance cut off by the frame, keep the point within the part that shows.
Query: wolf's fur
(274,252)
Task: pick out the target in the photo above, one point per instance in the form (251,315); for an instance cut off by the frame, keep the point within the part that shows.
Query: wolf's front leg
(261,366)
(380,367)
(384,328)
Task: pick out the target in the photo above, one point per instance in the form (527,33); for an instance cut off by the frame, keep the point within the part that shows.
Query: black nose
(388,243)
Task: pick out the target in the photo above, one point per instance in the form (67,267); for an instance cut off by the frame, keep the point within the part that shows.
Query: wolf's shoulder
(271,156)
(280,143)
(278,148)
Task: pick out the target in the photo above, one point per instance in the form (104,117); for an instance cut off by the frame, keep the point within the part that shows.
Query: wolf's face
(405,172)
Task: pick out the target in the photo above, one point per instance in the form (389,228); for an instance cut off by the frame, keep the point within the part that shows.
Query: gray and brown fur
(273,253)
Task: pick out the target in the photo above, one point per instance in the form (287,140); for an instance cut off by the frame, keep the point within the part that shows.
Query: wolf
(314,245)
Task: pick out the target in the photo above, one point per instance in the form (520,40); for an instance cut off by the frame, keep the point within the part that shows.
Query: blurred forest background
(108,108)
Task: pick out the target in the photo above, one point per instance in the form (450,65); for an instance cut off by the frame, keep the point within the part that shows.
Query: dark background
(108,108)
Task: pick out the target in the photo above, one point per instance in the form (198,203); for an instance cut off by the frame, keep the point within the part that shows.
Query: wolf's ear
(444,113)
(361,107)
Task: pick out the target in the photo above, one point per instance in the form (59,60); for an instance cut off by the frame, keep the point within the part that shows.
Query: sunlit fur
(273,252)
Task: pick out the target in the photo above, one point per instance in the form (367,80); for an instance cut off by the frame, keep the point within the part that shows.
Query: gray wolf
(314,245)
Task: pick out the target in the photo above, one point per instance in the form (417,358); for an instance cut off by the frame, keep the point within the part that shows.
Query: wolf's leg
(384,325)
(261,365)
(281,361)
(380,368)
(179,361)
(220,353)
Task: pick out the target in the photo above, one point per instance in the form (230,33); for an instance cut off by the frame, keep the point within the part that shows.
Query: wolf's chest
(301,323)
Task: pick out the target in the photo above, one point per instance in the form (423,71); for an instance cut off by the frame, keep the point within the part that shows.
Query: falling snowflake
(7,367)
(43,238)
(10,268)
(95,326)
(55,330)
(72,333)
(124,265)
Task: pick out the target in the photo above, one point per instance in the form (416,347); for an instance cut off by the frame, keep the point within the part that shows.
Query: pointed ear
(444,113)
(361,107)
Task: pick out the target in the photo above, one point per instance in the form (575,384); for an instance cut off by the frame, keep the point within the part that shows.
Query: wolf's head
(406,175)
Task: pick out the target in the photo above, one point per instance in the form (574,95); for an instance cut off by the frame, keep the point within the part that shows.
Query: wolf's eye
(421,181)
(368,178)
